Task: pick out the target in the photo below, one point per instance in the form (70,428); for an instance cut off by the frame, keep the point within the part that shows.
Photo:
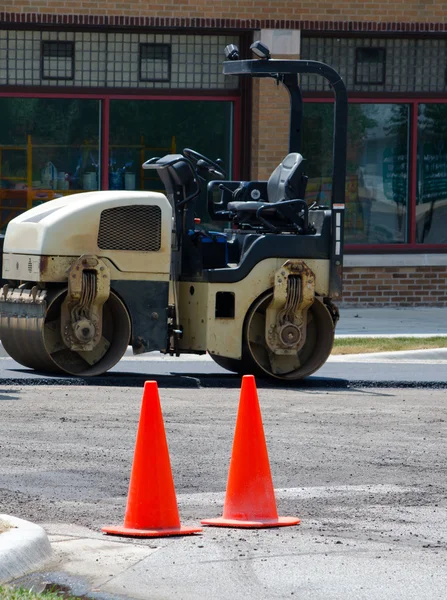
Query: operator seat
(287,182)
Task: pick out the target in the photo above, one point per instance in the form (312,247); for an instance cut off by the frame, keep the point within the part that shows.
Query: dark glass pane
(155,62)
(142,129)
(370,65)
(57,60)
(431,197)
(377,168)
(370,55)
(58,49)
(48,148)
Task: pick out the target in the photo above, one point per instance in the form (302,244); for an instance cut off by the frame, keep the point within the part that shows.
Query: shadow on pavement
(25,377)
(172,380)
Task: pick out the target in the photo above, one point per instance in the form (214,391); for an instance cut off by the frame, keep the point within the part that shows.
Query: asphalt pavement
(364,470)
(305,568)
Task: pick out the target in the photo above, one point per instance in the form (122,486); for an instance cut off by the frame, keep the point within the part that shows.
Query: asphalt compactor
(90,274)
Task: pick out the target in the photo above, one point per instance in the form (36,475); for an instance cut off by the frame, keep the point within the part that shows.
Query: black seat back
(287,181)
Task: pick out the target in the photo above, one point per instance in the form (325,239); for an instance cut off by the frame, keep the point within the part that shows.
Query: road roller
(256,287)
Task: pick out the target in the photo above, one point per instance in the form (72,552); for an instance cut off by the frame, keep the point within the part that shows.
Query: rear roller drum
(37,342)
(258,358)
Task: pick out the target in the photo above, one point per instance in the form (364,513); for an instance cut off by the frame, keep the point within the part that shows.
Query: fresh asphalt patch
(200,380)
(193,380)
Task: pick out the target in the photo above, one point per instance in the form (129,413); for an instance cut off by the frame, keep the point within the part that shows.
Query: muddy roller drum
(30,332)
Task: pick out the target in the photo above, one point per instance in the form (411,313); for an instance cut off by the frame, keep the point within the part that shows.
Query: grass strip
(361,345)
(11,593)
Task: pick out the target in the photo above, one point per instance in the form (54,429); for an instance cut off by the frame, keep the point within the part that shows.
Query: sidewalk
(391,322)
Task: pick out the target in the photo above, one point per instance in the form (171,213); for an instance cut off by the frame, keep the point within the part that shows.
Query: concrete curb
(23,548)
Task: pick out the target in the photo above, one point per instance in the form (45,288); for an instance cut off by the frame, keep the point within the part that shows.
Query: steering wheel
(196,158)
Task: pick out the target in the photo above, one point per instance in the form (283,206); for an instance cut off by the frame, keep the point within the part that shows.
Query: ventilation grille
(136,228)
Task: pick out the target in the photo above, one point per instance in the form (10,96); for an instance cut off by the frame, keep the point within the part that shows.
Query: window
(431,191)
(155,62)
(56,150)
(370,65)
(52,152)
(141,129)
(111,59)
(377,168)
(412,64)
(57,60)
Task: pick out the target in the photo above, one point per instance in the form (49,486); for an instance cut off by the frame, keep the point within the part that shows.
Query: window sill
(395,260)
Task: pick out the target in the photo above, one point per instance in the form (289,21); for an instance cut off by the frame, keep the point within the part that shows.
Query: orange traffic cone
(151,504)
(250,497)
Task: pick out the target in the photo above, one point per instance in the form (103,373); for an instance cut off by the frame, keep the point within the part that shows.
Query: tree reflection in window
(377,168)
(431,195)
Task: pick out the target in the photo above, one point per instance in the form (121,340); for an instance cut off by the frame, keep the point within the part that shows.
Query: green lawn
(364,345)
(10,593)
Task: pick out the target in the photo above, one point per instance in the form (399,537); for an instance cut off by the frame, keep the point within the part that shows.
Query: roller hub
(290,335)
(84,330)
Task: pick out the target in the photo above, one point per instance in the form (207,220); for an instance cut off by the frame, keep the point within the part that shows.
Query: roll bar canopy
(286,72)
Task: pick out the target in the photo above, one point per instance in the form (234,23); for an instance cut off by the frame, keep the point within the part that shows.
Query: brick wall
(397,286)
(325,10)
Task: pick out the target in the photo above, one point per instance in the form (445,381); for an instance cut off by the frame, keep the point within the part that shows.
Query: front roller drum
(257,357)
(309,358)
(31,335)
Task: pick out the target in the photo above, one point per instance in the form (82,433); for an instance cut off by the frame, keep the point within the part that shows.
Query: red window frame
(411,246)
(105,100)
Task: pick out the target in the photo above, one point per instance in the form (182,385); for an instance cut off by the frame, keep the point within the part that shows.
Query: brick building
(88,90)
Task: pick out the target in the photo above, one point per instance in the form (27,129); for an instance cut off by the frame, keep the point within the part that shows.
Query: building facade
(90,90)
